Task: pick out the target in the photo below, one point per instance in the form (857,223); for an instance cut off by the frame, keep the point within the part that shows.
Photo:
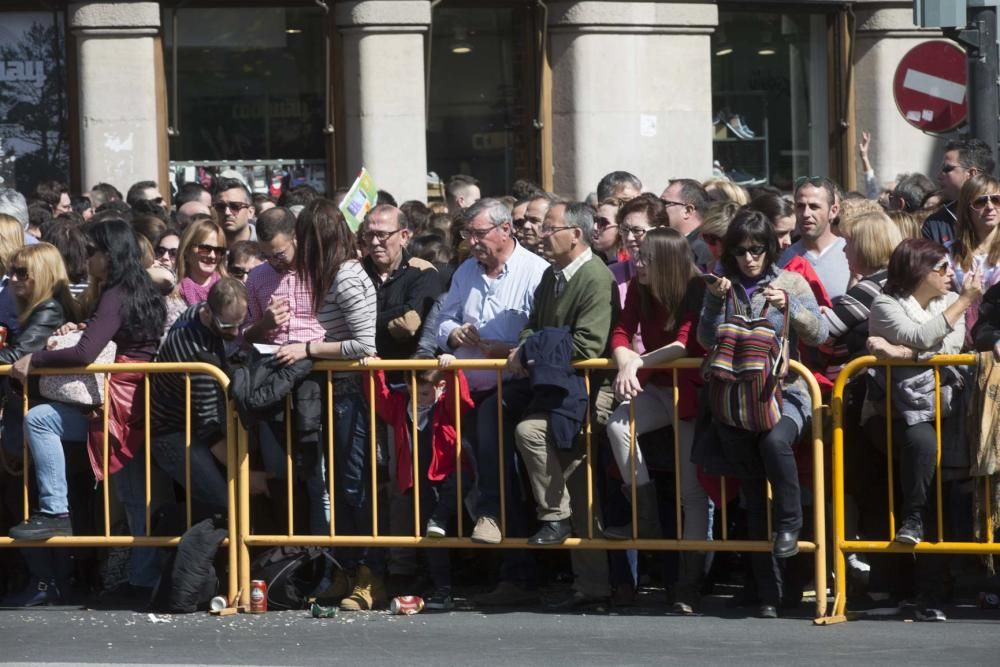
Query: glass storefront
(34,142)
(250,95)
(769,96)
(483,95)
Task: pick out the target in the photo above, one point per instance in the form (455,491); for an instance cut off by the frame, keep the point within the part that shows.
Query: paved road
(645,636)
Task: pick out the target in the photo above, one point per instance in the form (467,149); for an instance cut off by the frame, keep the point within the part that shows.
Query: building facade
(559,92)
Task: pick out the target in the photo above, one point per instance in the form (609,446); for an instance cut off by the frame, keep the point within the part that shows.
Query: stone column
(631,90)
(383,95)
(884,34)
(116,60)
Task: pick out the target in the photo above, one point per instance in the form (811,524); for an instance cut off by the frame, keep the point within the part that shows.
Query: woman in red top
(663,300)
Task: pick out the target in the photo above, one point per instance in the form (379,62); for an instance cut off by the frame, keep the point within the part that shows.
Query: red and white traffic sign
(930,87)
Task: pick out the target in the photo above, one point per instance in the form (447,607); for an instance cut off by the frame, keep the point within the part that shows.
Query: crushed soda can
(406,605)
(989,600)
(319,611)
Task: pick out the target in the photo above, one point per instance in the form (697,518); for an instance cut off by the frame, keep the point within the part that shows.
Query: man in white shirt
(816,205)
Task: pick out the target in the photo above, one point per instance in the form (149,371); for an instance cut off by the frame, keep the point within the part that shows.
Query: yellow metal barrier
(233,427)
(842,545)
(247,540)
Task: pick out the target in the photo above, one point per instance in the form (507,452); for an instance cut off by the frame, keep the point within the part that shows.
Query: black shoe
(911,532)
(552,532)
(786,543)
(767,611)
(42,526)
(576,600)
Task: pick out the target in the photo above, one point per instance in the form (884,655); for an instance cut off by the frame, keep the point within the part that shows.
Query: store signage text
(22,70)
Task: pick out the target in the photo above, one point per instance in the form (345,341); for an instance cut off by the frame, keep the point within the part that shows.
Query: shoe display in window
(742,178)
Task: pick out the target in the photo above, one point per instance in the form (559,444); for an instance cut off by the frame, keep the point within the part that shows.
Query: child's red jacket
(391,408)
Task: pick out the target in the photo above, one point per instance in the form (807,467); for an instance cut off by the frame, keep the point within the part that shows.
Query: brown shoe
(338,589)
(487,531)
(368,593)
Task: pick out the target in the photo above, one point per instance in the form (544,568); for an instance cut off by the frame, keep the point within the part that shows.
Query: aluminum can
(407,605)
(258,596)
(3,337)
(319,611)
(989,600)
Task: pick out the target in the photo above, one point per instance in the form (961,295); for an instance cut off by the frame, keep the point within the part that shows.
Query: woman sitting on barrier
(750,253)
(345,303)
(663,299)
(916,318)
(130,313)
(40,287)
(201,260)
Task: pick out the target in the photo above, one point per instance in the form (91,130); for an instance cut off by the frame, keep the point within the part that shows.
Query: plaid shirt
(262,284)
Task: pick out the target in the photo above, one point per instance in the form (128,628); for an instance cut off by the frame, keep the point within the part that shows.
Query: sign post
(930,87)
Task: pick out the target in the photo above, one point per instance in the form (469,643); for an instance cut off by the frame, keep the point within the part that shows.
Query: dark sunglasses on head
(205,250)
(235,206)
(980,202)
(815,181)
(161,251)
(237,272)
(19,272)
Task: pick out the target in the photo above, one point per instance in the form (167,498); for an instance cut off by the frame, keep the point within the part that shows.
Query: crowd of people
(263,289)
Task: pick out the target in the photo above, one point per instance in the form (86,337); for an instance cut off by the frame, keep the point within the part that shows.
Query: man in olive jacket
(578,292)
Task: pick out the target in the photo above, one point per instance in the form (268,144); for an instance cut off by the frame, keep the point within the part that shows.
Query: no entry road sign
(929,87)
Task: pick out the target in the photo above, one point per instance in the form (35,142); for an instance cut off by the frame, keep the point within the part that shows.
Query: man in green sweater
(578,292)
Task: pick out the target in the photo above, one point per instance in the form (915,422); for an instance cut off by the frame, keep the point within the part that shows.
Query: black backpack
(291,574)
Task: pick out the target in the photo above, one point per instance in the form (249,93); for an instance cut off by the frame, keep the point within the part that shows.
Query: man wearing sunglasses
(962,159)
(233,209)
(686,201)
(145,191)
(205,332)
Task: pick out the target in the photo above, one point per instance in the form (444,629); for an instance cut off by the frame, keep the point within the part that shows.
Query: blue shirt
(497,307)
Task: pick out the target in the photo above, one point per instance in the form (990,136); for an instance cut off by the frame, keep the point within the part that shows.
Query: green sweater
(588,305)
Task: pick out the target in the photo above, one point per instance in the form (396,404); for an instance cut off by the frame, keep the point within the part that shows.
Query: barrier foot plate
(228,611)
(833,620)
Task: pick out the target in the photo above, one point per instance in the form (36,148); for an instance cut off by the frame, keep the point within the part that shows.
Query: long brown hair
(965,231)
(46,270)
(671,270)
(323,243)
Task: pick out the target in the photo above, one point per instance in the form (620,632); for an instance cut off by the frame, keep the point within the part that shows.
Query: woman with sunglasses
(40,287)
(606,241)
(916,317)
(976,243)
(166,248)
(751,275)
(201,260)
(130,312)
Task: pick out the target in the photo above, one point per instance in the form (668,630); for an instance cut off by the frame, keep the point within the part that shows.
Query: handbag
(85,389)
(745,368)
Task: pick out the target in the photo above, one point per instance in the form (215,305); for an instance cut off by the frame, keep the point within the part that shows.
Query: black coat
(45,318)
(986,332)
(558,390)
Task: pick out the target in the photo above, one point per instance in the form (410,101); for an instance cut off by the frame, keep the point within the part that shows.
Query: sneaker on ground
(440,599)
(487,531)
(929,614)
(40,526)
(435,529)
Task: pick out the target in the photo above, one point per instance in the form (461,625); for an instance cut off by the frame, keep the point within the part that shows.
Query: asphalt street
(63,635)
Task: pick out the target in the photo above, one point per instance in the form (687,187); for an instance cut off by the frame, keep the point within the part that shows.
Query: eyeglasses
(604,223)
(477,234)
(381,236)
(941,268)
(205,250)
(549,231)
(281,255)
(19,273)
(711,239)
(234,206)
(637,232)
(980,202)
(948,168)
(161,251)
(668,203)
(754,251)
(222,325)
(237,272)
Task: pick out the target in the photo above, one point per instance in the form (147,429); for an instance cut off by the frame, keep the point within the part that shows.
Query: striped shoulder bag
(745,367)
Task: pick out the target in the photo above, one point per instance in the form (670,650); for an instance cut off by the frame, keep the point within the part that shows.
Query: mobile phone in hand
(709,278)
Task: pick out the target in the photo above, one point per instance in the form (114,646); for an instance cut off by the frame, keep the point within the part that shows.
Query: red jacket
(392,409)
(811,356)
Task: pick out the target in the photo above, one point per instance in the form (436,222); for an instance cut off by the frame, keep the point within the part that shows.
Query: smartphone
(710,278)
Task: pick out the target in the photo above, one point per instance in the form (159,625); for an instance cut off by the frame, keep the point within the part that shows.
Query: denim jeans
(208,484)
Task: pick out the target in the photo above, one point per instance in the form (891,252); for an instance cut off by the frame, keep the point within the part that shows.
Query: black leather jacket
(45,318)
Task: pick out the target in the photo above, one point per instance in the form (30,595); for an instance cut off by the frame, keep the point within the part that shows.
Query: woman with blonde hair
(201,260)
(906,222)
(977,242)
(11,240)
(714,226)
(722,189)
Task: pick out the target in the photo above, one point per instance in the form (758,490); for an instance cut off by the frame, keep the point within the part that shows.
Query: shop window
(34,144)
(483,95)
(769,96)
(250,95)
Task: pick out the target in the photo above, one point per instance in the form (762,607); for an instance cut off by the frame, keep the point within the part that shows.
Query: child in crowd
(436,448)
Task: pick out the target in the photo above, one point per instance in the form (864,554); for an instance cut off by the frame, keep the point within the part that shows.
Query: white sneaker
(434,529)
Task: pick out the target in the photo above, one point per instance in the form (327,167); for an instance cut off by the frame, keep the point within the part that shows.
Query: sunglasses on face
(604,223)
(237,272)
(161,251)
(205,250)
(234,206)
(755,251)
(222,326)
(948,168)
(381,236)
(518,222)
(19,273)
(941,268)
(980,202)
